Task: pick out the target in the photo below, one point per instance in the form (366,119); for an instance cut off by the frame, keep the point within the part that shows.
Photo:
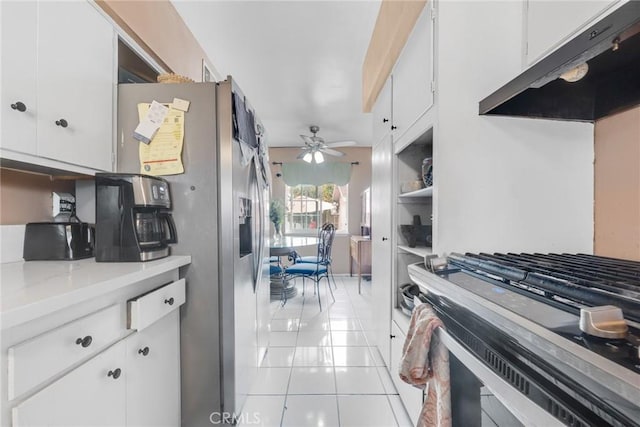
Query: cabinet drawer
(149,307)
(38,359)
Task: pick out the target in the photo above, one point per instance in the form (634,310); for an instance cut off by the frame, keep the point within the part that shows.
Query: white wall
(502,184)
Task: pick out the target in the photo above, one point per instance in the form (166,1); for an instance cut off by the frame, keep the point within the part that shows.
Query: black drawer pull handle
(169,301)
(19,106)
(62,122)
(392,336)
(85,342)
(385,120)
(144,351)
(115,374)
(385,239)
(394,127)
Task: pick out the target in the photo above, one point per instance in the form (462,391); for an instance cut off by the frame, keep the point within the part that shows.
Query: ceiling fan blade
(331,152)
(307,139)
(341,144)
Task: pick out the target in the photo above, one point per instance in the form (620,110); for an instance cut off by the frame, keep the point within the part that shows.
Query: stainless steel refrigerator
(220,207)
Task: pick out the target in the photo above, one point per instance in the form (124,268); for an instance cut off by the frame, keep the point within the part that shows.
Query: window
(307,207)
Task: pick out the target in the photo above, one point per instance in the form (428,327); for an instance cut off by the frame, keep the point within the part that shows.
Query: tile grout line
(357,318)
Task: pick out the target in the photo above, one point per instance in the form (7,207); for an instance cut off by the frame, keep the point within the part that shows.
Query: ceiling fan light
(318,157)
(307,157)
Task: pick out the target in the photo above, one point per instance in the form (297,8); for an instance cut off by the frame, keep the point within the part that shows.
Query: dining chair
(314,259)
(319,270)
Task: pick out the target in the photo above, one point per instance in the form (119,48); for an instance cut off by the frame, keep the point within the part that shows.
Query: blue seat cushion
(274,269)
(307,269)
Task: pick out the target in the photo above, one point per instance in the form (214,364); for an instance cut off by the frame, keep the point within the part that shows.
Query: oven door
(495,381)
(480,397)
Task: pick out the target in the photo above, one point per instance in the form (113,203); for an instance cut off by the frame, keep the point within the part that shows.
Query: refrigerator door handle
(260,219)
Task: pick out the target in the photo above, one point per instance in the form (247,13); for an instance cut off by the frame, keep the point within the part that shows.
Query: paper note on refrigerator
(150,122)
(163,155)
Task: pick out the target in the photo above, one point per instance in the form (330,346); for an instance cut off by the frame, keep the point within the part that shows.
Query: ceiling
(298,62)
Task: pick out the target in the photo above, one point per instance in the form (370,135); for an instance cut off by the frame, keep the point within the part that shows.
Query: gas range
(546,309)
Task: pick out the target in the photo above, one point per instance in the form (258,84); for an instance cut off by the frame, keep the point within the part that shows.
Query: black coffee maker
(133,219)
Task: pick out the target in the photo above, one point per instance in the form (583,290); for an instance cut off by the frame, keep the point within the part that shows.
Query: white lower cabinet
(90,395)
(67,345)
(134,382)
(411,397)
(153,374)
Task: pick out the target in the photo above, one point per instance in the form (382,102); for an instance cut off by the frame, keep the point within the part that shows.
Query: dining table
(281,287)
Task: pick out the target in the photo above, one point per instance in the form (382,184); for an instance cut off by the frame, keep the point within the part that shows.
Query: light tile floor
(320,368)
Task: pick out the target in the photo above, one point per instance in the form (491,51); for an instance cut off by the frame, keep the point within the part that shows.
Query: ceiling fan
(314,146)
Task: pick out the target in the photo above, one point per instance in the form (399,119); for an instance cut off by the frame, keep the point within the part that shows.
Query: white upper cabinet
(18,94)
(550,23)
(413,78)
(382,114)
(58,64)
(75,81)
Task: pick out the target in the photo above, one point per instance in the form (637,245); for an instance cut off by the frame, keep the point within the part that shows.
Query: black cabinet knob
(62,122)
(394,127)
(392,336)
(144,351)
(19,106)
(169,301)
(385,120)
(85,342)
(115,373)
(385,239)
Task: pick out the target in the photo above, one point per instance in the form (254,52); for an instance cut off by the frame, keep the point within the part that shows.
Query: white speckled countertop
(33,289)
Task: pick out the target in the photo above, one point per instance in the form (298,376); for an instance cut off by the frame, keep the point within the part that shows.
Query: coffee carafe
(133,219)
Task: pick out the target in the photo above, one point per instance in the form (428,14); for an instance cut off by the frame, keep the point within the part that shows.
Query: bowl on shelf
(406,310)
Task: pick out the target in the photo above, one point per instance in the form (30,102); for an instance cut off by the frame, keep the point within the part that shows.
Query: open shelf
(421,251)
(423,192)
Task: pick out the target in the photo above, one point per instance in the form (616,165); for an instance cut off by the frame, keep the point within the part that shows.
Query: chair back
(325,242)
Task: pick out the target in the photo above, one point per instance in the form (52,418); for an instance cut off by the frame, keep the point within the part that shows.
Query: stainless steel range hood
(611,47)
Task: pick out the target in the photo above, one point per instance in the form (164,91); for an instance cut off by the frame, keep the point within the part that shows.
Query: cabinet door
(75,84)
(90,395)
(18,34)
(381,193)
(153,374)
(413,76)
(549,23)
(411,396)
(381,112)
